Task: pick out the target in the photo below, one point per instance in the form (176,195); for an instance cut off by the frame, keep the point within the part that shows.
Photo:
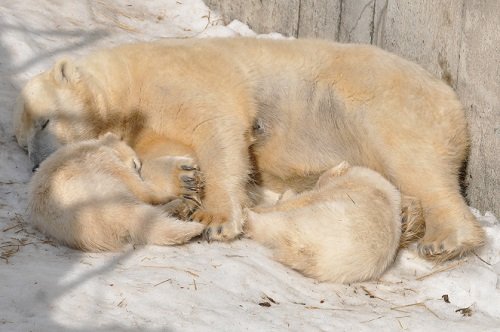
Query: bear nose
(33,170)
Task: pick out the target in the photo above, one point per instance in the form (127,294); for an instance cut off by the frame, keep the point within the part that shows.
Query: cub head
(52,110)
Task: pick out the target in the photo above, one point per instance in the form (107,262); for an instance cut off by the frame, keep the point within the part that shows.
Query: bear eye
(45,124)
(137,164)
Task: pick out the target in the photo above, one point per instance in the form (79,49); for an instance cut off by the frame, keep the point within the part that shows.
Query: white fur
(89,196)
(299,106)
(347,229)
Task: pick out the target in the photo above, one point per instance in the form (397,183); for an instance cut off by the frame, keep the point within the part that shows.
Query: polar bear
(285,111)
(346,229)
(89,195)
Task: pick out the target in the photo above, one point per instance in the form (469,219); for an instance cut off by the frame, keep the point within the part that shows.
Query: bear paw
(445,242)
(174,177)
(219,226)
(180,208)
(190,183)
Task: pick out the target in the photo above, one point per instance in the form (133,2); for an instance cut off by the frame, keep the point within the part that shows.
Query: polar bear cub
(90,196)
(346,229)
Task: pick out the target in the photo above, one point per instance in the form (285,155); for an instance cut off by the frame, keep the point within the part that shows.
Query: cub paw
(447,242)
(180,208)
(219,226)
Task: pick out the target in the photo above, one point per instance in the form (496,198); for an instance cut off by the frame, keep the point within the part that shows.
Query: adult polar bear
(300,107)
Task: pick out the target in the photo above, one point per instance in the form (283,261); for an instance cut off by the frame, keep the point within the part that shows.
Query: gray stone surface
(319,19)
(427,32)
(379,19)
(479,90)
(356,24)
(261,16)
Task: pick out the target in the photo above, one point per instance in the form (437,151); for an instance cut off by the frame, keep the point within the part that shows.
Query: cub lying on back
(90,196)
(346,229)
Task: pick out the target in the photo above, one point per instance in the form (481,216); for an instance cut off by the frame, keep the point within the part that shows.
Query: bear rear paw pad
(445,245)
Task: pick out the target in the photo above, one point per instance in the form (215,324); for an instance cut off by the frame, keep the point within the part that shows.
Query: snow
(217,286)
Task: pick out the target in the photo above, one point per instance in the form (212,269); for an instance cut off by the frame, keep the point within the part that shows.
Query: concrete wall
(457,40)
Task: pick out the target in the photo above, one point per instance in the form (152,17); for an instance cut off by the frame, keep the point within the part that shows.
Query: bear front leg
(224,160)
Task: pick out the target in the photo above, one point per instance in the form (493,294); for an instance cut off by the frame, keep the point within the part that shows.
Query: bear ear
(65,71)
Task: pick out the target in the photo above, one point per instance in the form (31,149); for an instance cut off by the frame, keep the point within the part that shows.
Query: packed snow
(197,287)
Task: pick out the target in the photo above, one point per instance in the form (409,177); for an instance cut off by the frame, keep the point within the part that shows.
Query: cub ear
(109,137)
(65,71)
(338,170)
